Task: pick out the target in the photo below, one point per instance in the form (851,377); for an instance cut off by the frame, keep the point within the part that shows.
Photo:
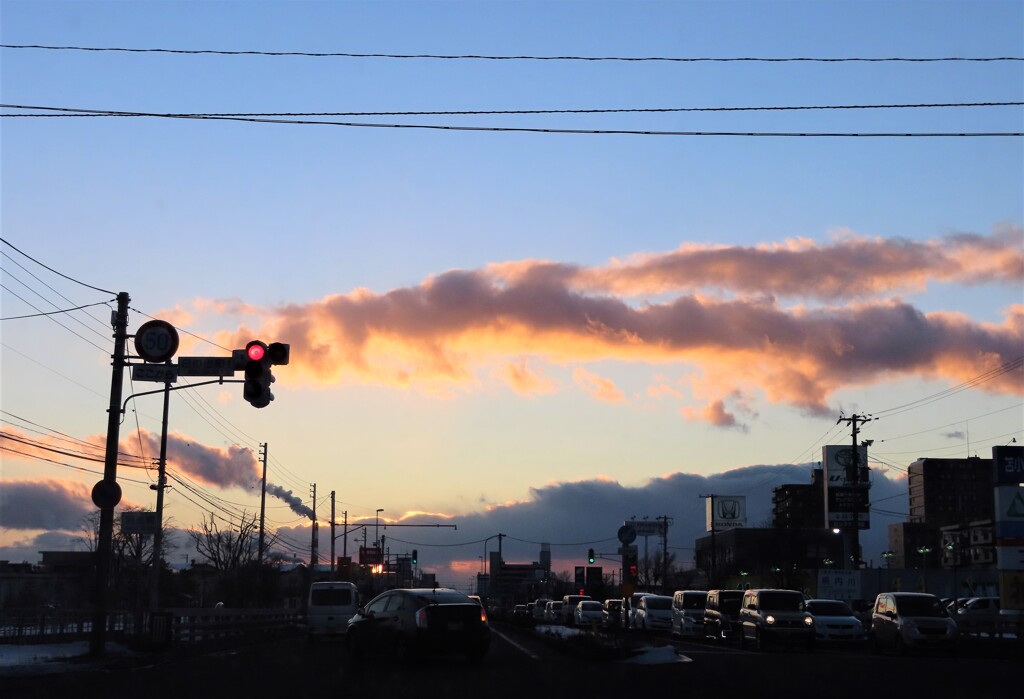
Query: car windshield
(591,606)
(694,601)
(829,608)
(920,606)
(658,603)
(782,601)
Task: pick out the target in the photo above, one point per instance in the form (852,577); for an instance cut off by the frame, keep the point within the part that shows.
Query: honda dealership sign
(726,512)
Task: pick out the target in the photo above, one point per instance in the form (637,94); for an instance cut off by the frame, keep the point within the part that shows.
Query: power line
(588,132)
(70,112)
(72,279)
(630,59)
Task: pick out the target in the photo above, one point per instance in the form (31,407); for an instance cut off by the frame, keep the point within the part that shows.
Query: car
(688,612)
(654,613)
(979,605)
(612,614)
(589,613)
(420,621)
(569,603)
(774,616)
(553,612)
(722,614)
(904,620)
(629,609)
(329,607)
(834,620)
(521,614)
(539,607)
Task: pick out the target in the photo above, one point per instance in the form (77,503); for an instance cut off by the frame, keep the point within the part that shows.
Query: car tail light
(421,618)
(483,615)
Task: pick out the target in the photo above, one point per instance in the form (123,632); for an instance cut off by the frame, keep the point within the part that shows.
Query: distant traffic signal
(415,556)
(258,376)
(590,555)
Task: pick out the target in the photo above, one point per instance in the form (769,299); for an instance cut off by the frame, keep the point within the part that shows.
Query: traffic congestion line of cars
(756,618)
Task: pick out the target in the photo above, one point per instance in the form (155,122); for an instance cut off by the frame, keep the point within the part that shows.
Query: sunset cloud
(44,504)
(443,333)
(599,387)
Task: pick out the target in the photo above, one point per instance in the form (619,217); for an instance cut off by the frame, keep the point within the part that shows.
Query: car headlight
(770,619)
(808,621)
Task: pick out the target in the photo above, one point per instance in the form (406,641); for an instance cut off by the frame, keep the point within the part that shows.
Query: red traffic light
(256,351)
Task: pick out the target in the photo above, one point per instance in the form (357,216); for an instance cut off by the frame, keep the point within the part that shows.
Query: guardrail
(991,625)
(187,626)
(167,626)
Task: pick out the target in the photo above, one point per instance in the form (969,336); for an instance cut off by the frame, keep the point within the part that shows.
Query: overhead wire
(629,59)
(592,132)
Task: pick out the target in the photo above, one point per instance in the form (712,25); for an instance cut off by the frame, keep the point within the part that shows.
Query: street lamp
(887,555)
(924,551)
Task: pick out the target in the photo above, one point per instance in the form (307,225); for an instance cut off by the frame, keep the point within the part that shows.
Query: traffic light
(278,352)
(258,376)
(590,555)
(415,556)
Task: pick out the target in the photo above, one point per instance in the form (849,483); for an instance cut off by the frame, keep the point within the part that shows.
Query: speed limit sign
(156,341)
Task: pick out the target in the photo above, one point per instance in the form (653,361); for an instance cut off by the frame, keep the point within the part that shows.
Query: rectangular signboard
(206,366)
(370,556)
(837,462)
(645,527)
(839,584)
(1009,464)
(138,523)
(1009,557)
(725,512)
(163,373)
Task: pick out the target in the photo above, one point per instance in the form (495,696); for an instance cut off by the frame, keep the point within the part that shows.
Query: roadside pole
(106,494)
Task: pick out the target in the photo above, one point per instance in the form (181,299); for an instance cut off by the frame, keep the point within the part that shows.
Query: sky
(658,285)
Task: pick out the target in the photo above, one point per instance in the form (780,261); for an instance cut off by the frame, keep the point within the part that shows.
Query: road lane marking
(518,646)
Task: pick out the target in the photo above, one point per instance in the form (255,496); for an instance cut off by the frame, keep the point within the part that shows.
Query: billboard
(726,512)
(845,505)
(837,461)
(1009,465)
(133,522)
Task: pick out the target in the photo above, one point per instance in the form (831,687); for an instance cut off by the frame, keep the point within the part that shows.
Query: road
(523,665)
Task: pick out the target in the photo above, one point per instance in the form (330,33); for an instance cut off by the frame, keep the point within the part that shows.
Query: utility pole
(314,556)
(263,504)
(332,535)
(161,485)
(851,534)
(344,536)
(666,520)
(107,493)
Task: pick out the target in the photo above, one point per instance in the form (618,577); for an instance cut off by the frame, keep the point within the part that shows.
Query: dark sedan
(425,621)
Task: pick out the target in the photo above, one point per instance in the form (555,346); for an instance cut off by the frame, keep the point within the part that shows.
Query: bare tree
(227,550)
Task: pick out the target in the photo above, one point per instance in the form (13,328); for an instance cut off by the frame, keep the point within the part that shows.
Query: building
(952,510)
(770,553)
(946,492)
(800,506)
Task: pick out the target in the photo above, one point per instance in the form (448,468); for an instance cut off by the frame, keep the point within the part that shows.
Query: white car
(834,620)
(589,612)
(553,612)
(654,613)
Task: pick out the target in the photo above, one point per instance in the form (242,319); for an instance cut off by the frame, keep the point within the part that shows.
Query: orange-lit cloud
(597,386)
(454,328)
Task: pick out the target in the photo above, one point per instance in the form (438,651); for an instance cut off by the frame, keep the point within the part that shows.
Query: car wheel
(758,640)
(743,640)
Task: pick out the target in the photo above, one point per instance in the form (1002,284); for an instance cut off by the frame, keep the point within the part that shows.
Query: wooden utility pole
(263,505)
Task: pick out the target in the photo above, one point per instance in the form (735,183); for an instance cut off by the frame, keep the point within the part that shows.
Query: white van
(331,605)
